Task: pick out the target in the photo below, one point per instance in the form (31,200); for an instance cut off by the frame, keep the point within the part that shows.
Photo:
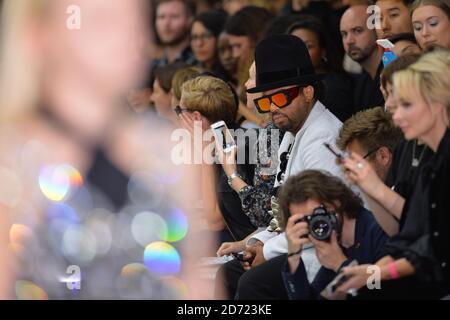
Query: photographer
(356,234)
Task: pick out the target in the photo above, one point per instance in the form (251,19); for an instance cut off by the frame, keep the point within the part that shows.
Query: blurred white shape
(79,245)
(10,187)
(144,190)
(148,227)
(102,233)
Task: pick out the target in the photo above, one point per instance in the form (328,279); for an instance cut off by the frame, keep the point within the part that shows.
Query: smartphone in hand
(223,136)
(238,256)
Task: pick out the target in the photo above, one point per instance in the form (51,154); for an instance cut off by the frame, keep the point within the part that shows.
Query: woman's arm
(214,216)
(385,219)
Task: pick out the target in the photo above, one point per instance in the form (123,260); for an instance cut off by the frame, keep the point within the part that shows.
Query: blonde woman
(431,23)
(206,100)
(416,264)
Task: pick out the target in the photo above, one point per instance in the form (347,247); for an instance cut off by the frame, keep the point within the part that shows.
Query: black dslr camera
(321,223)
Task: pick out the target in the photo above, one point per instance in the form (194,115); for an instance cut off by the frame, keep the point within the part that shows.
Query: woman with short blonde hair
(210,96)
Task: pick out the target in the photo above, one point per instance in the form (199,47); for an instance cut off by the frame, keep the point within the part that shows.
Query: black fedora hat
(282,60)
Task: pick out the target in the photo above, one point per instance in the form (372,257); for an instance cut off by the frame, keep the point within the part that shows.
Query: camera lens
(320,227)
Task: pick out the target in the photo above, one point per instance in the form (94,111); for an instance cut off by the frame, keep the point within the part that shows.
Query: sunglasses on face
(280,98)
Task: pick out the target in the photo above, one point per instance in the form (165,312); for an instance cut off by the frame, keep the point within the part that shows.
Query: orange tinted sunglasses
(280,98)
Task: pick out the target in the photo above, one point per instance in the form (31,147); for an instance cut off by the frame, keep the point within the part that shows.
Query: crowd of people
(336,185)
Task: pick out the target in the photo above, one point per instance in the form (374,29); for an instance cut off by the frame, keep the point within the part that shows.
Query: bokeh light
(26,290)
(19,233)
(133,269)
(148,227)
(178,288)
(55,182)
(161,257)
(79,245)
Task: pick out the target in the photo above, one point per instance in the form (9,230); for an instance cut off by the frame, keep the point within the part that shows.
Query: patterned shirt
(256,198)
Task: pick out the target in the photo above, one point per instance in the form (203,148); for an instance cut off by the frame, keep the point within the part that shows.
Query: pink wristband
(393,271)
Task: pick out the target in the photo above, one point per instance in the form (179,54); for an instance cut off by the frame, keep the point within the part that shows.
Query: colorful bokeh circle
(162,258)
(56,182)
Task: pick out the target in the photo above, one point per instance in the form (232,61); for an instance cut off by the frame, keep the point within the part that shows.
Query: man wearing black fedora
(291,91)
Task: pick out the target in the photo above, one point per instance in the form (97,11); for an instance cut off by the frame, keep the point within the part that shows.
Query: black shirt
(424,239)
(338,95)
(367,92)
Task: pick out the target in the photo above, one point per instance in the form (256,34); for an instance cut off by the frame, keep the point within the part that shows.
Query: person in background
(359,44)
(338,84)
(233,6)
(228,61)
(205,32)
(245,29)
(404,43)
(431,23)
(179,78)
(394,18)
(172,24)
(357,237)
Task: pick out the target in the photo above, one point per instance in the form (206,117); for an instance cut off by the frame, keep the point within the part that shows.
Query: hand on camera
(296,232)
(329,253)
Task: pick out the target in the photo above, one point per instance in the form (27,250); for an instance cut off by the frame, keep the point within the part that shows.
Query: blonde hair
(181,76)
(19,76)
(210,96)
(430,76)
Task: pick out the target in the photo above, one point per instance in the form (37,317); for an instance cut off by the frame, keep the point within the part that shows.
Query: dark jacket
(369,242)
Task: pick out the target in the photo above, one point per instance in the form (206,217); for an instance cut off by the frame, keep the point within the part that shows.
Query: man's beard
(363,54)
(177,40)
(286,125)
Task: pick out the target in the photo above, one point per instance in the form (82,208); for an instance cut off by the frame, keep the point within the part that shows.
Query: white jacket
(308,152)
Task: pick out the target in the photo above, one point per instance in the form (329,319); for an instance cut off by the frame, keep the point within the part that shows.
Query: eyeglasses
(178,110)
(280,98)
(371,152)
(204,36)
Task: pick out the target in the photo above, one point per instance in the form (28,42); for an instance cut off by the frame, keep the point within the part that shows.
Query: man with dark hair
(360,45)
(355,236)
(394,18)
(173,23)
(289,86)
(371,134)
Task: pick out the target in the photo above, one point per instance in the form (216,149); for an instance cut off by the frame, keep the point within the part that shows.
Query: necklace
(415,162)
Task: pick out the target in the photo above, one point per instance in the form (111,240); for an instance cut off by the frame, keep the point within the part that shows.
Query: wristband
(393,273)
